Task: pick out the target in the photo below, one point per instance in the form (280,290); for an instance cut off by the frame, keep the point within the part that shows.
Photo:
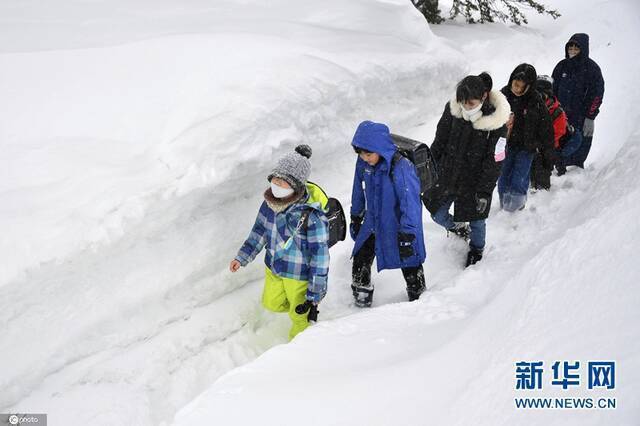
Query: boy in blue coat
(386,213)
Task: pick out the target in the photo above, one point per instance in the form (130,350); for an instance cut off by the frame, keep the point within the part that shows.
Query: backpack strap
(396,157)
(303,224)
(304,220)
(556,113)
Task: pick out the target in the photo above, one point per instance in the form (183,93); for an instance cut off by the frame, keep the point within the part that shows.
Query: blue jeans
(478,227)
(513,183)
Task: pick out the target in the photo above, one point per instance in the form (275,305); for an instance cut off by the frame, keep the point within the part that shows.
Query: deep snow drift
(136,141)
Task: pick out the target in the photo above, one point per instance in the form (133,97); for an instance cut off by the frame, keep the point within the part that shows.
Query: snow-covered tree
(430,10)
(482,11)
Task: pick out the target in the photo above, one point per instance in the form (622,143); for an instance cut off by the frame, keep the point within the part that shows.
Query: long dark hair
(526,73)
(473,87)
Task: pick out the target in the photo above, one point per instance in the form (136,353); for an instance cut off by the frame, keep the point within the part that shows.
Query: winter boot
(460,229)
(512,202)
(362,295)
(361,282)
(415,282)
(474,256)
(561,170)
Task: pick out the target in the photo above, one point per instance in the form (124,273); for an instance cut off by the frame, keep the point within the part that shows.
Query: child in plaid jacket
(297,251)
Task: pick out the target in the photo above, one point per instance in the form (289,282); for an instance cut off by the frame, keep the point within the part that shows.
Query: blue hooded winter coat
(578,83)
(389,200)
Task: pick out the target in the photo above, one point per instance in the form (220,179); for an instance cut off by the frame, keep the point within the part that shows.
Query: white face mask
(280,192)
(471,114)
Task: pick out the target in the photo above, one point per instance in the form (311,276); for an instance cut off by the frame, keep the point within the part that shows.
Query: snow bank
(94,134)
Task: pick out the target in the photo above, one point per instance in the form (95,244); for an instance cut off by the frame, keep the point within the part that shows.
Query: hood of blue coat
(375,137)
(582,40)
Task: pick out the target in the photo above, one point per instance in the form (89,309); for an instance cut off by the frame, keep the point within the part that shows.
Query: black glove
(354,228)
(482,202)
(308,306)
(405,244)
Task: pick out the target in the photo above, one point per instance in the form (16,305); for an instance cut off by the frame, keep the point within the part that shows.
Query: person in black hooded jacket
(468,149)
(530,131)
(579,86)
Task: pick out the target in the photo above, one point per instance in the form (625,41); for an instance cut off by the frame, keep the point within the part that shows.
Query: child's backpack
(420,155)
(332,209)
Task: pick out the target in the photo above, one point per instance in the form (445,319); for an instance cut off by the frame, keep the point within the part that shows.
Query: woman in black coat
(468,149)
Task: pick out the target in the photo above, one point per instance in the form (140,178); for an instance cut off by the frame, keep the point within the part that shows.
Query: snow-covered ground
(136,139)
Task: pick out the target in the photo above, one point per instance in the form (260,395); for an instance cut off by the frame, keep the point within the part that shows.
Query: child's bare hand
(234,265)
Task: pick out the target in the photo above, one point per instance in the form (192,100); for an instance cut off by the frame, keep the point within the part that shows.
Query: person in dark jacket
(579,86)
(530,131)
(386,214)
(543,162)
(468,149)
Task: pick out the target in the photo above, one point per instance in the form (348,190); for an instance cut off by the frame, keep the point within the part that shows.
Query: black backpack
(420,155)
(335,215)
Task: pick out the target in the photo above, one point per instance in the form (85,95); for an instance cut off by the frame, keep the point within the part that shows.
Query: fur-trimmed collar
(280,204)
(488,122)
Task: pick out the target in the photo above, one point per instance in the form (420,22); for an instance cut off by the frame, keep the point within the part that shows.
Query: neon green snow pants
(283,295)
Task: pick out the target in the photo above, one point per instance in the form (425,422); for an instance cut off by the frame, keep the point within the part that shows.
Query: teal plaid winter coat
(291,252)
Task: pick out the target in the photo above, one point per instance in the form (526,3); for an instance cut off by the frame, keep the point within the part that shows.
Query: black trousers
(579,157)
(540,173)
(361,269)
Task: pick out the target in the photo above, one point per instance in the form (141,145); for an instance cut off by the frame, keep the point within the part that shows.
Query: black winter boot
(361,274)
(415,282)
(561,169)
(361,282)
(362,295)
(461,229)
(474,256)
